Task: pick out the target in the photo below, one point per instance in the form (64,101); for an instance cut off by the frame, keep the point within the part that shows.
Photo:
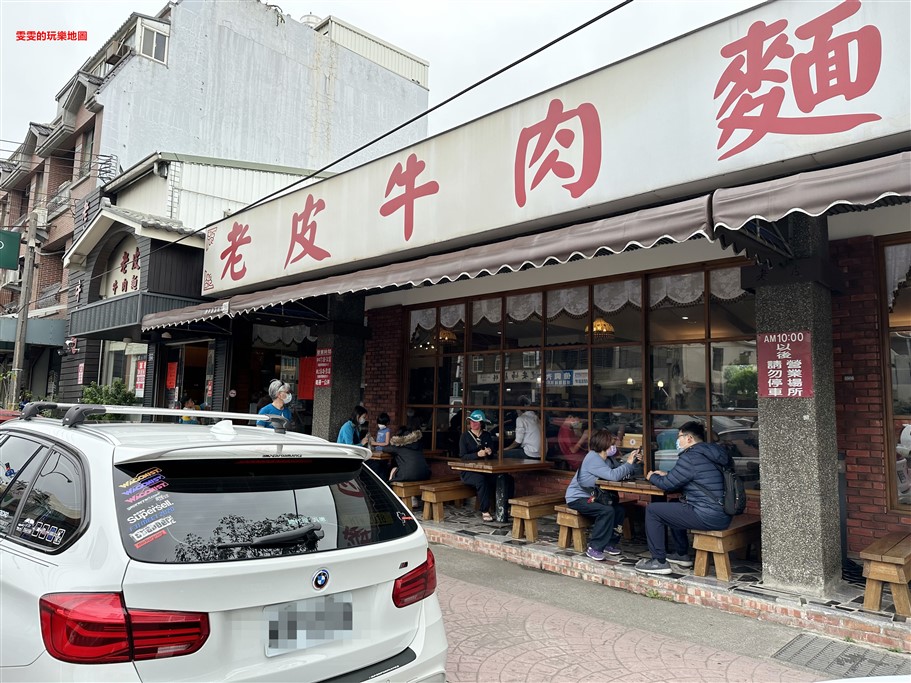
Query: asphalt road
(509,623)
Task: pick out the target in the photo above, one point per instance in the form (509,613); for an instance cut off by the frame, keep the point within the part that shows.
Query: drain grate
(842,659)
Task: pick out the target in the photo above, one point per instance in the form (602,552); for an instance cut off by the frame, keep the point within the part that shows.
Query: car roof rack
(76,413)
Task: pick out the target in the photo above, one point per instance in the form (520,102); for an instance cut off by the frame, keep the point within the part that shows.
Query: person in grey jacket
(698,462)
(599,463)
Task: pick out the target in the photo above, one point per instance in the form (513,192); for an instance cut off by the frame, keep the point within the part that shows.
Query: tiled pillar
(801,545)
(343,335)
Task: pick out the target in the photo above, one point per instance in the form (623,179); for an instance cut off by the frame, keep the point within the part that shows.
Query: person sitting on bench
(698,463)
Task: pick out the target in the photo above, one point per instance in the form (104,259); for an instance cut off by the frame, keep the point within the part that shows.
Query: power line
(413,119)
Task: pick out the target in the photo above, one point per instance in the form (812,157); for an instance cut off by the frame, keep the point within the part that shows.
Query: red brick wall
(857,339)
(49,271)
(385,356)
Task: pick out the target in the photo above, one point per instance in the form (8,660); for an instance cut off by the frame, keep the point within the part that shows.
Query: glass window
(54,508)
(524,315)
(486,316)
(566,378)
(732,310)
(617,377)
(16,456)
(451,335)
(742,436)
(88,141)
(678,377)
(212,509)
(154,44)
(566,432)
(522,377)
(898,284)
(484,380)
(898,302)
(449,429)
(618,307)
(421,370)
(451,382)
(902,435)
(676,307)
(734,376)
(420,332)
(567,316)
(900,372)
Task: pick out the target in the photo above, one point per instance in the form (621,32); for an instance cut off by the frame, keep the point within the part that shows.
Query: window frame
(890,444)
(643,343)
(52,448)
(156,34)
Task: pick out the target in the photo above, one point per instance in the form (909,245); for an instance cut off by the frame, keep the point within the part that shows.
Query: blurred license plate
(307,623)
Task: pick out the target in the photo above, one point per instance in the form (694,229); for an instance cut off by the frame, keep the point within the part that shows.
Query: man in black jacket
(698,463)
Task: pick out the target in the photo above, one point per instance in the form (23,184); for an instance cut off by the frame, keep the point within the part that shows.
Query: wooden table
(637,486)
(500,469)
(381,455)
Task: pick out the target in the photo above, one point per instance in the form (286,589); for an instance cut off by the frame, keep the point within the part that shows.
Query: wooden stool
(888,560)
(434,495)
(526,510)
(407,489)
(573,522)
(716,545)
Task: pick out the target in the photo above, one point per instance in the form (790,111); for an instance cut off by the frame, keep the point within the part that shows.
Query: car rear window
(218,510)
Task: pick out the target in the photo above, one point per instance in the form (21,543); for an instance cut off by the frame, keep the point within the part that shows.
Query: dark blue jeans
(606,518)
(484,483)
(678,517)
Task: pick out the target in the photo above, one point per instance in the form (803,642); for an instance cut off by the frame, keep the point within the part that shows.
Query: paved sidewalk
(499,636)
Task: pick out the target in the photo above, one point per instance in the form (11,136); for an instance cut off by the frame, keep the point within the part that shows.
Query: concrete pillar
(801,542)
(343,335)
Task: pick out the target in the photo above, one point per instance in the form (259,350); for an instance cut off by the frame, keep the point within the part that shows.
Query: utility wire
(449,99)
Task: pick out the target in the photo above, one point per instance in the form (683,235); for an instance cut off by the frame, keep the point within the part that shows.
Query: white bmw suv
(170,552)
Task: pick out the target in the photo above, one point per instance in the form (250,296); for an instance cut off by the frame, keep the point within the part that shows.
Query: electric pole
(25,295)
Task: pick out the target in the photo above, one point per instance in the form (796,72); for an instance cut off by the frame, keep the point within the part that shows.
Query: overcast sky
(464,40)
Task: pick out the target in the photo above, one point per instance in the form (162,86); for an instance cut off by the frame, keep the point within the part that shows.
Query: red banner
(785,365)
(171,381)
(306,377)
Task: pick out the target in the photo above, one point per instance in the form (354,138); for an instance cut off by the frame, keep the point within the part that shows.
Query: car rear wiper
(309,534)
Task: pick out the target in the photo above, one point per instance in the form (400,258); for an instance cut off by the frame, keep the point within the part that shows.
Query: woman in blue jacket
(599,463)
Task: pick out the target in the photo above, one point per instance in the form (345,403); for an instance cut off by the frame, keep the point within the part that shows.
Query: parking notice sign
(785,367)
(9,250)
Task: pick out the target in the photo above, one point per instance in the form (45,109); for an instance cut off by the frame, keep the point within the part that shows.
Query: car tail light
(96,628)
(417,584)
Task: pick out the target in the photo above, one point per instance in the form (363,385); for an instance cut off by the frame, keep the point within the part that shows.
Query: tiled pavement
(462,525)
(537,642)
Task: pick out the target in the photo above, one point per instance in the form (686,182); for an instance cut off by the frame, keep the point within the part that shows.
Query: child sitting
(382,433)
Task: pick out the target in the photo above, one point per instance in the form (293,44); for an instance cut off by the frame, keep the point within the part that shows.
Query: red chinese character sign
(786,85)
(323,368)
(785,365)
(834,65)
(577,129)
(406,178)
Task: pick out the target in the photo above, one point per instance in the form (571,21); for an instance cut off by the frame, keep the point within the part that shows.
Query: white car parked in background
(168,552)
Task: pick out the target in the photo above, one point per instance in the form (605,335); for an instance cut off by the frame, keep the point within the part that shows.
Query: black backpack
(734,500)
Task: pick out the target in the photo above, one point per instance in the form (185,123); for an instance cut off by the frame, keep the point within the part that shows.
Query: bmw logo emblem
(321,579)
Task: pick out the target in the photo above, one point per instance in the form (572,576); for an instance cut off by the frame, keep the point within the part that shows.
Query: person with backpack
(699,475)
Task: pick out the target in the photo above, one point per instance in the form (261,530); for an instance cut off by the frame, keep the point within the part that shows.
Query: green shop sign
(9,250)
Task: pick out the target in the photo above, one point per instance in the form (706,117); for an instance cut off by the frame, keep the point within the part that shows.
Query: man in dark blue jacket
(698,462)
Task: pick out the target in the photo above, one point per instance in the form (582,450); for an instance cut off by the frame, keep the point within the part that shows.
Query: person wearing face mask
(600,463)
(281,395)
(698,464)
(350,432)
(572,439)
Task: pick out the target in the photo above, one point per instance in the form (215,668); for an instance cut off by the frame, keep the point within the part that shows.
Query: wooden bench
(716,545)
(408,489)
(888,560)
(526,510)
(434,495)
(575,524)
